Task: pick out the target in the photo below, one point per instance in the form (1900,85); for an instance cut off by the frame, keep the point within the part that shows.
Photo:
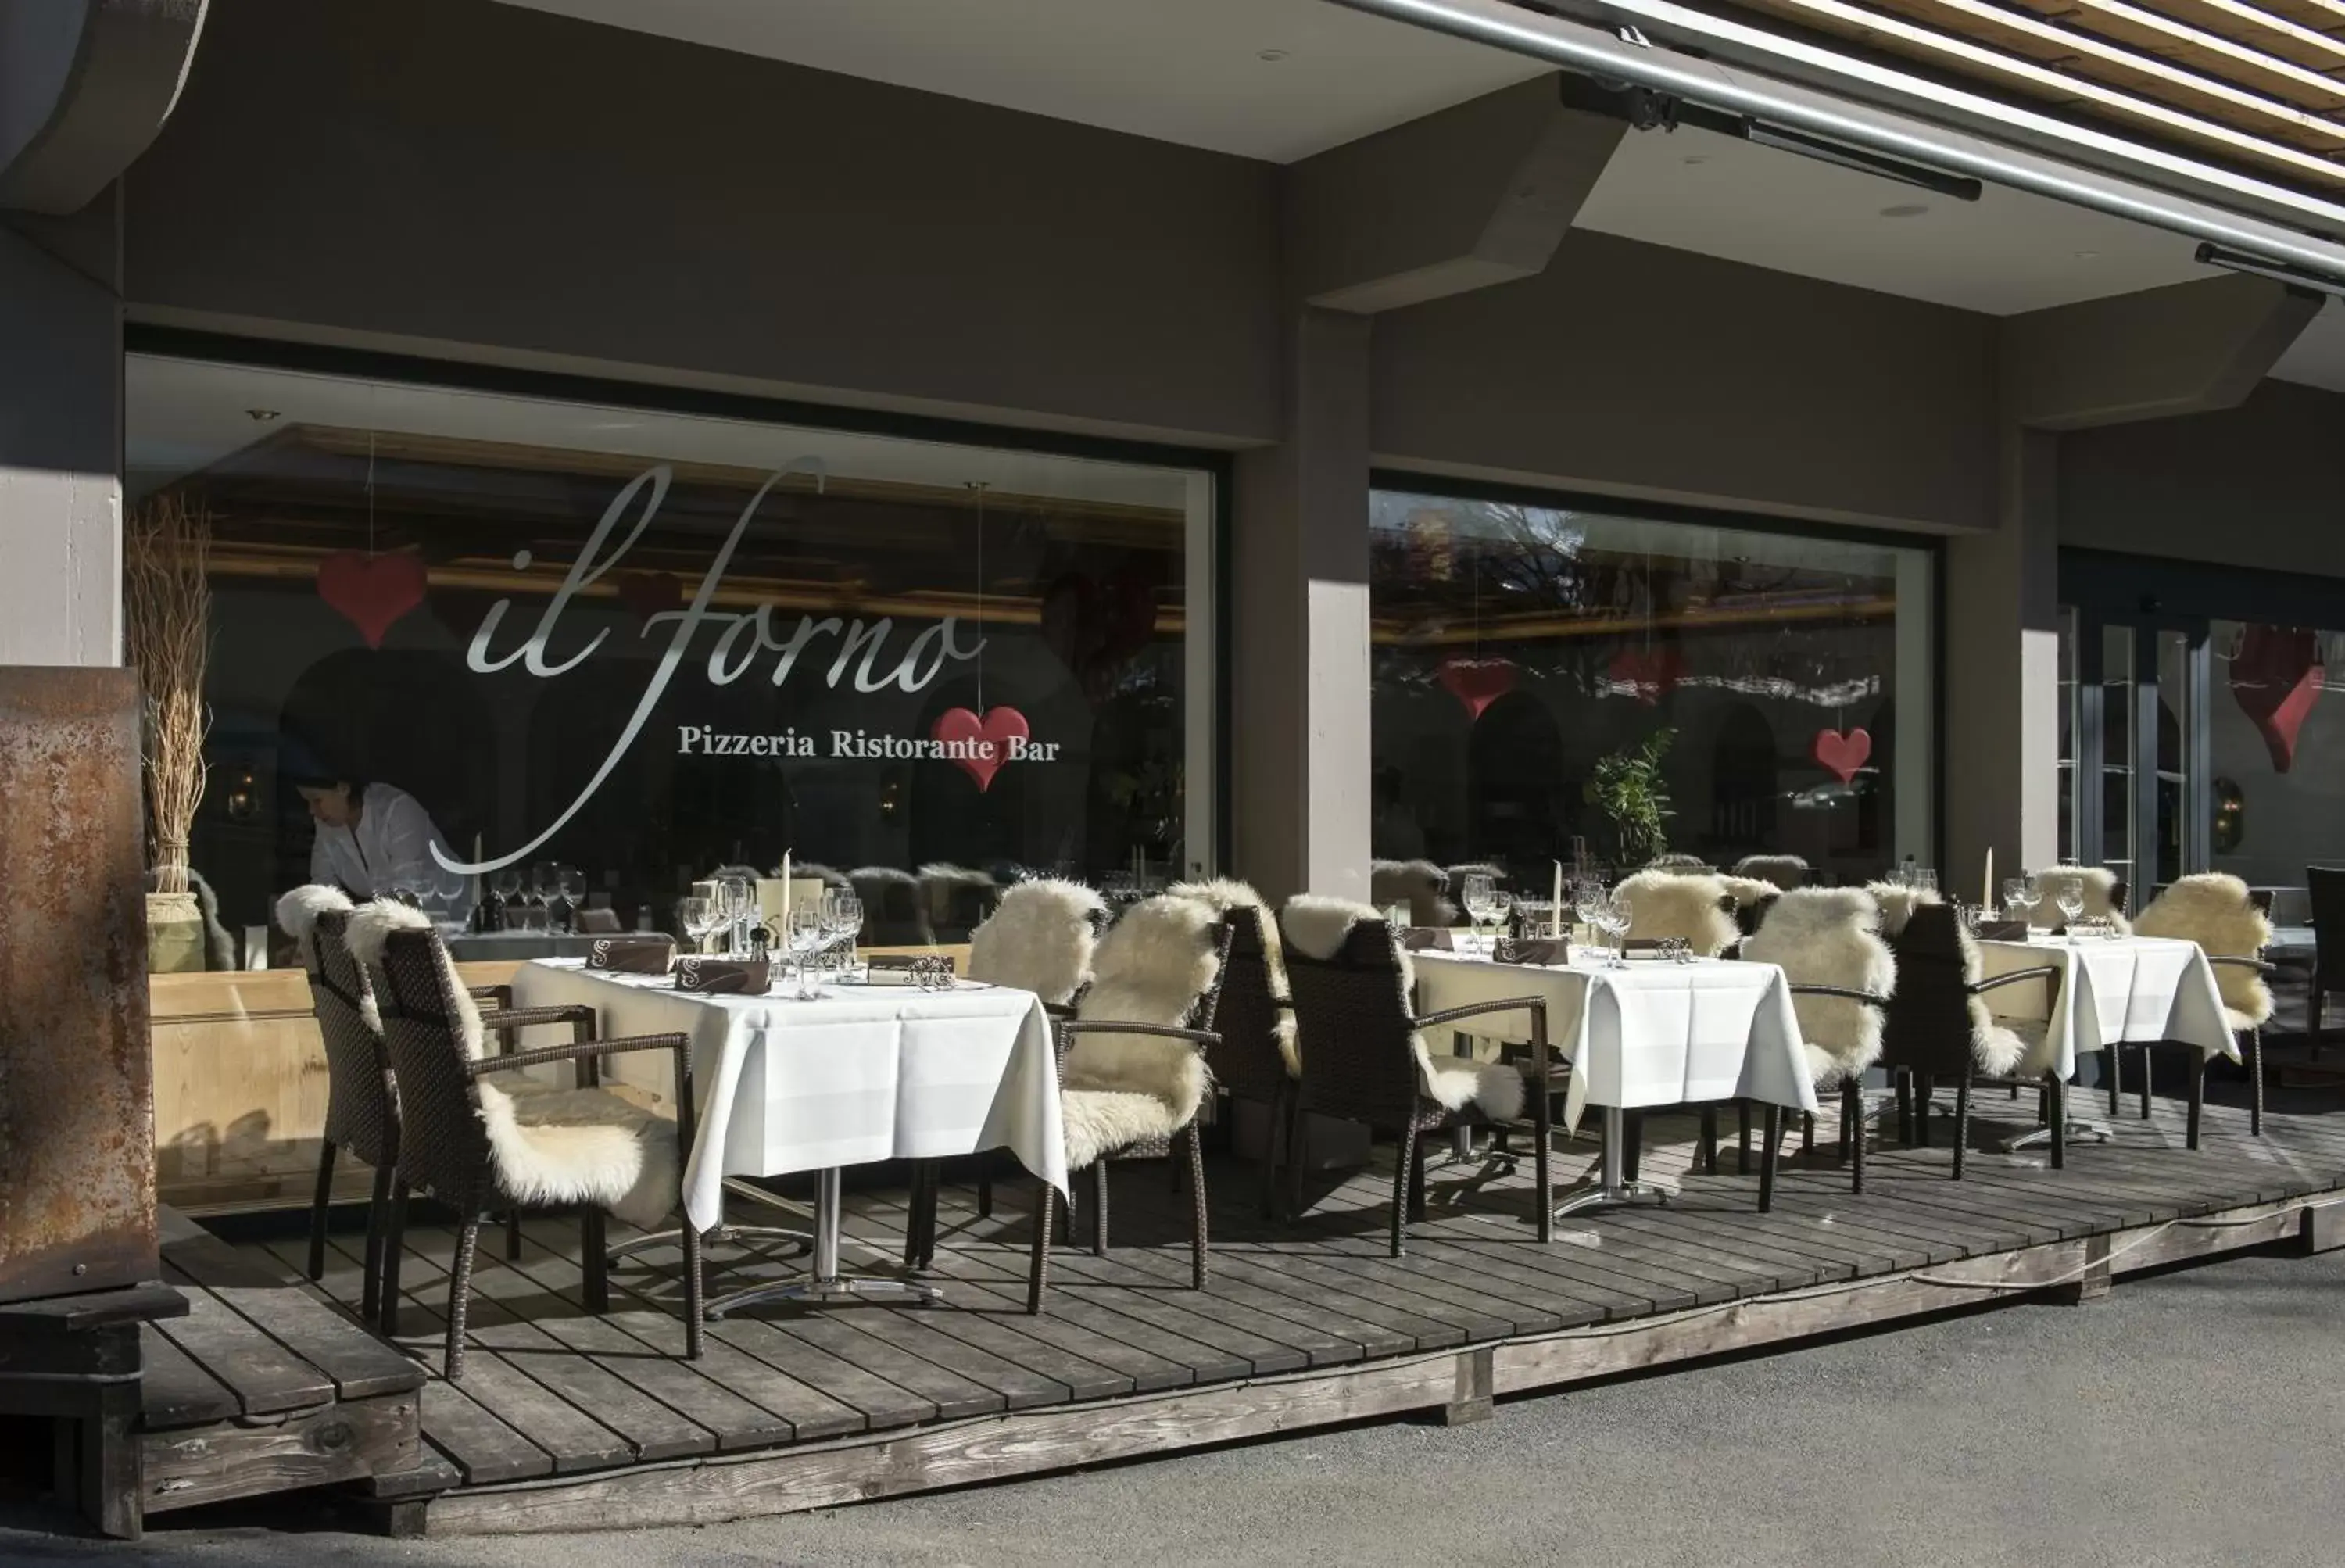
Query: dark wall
(484,175)
(1642,371)
(2262,485)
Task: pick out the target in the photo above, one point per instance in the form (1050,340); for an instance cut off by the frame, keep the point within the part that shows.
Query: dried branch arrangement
(168,602)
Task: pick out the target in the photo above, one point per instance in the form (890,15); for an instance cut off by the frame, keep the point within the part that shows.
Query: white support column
(60,462)
(1300,656)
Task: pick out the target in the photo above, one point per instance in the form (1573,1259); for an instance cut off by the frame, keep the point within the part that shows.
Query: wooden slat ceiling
(2260,87)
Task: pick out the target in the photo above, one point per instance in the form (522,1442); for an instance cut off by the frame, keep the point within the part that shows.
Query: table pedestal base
(1612,1186)
(823,1283)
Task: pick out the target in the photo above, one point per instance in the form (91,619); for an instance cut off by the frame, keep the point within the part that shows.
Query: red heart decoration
(993,735)
(371,592)
(2276,676)
(1650,674)
(1477,683)
(650,593)
(1841,755)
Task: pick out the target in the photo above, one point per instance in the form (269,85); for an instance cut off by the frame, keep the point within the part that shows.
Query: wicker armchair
(1826,941)
(362,1096)
(1936,1027)
(468,1143)
(2219,913)
(1363,1058)
(1132,1062)
(1254,1058)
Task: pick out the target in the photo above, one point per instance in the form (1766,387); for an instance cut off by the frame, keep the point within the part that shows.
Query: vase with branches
(168,610)
(1626,786)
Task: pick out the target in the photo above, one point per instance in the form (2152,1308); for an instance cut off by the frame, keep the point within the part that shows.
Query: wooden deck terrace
(569,1420)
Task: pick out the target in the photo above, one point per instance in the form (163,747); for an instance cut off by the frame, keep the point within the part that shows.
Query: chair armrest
(506,1018)
(2230,961)
(1162,1031)
(589,1051)
(500,994)
(1534,1006)
(2041,971)
(1842,991)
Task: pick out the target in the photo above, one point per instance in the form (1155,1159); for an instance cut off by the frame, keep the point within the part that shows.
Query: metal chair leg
(513,1236)
(1961,1123)
(1099,1207)
(460,1290)
(597,1259)
(2197,1101)
(695,1292)
(317,1205)
(1402,1165)
(1197,1265)
(2117,1079)
(378,1218)
(1417,1183)
(2146,1076)
(1768,1155)
(1852,1110)
(394,1242)
(2256,1073)
(1038,1267)
(2059,1091)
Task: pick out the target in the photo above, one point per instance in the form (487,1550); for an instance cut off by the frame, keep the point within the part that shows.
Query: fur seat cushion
(1693,905)
(1318,927)
(551,1146)
(297,912)
(1422,886)
(1153,965)
(1040,938)
(1829,936)
(2214,910)
(1222,894)
(2001,1047)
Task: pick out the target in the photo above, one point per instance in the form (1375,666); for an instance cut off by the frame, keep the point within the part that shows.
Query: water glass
(803,937)
(699,916)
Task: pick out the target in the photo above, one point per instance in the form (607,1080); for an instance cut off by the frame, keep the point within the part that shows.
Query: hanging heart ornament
(2276,677)
(1841,755)
(371,592)
(983,744)
(1477,683)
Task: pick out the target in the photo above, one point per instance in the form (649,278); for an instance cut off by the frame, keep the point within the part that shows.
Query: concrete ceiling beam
(84,86)
(2187,348)
(1475,194)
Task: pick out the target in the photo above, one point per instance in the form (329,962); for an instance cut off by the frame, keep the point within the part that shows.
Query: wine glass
(2068,897)
(804,935)
(1587,898)
(1613,918)
(1479,895)
(699,916)
(1502,904)
(506,883)
(842,922)
(572,884)
(738,897)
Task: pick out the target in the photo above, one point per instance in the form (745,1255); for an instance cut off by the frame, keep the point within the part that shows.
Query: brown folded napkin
(2003,931)
(633,954)
(1538,949)
(724,976)
(598,923)
(1424,939)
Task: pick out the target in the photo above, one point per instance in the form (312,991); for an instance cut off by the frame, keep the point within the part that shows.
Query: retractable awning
(2255,225)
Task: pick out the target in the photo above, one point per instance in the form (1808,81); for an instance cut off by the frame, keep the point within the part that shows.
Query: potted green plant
(1628,788)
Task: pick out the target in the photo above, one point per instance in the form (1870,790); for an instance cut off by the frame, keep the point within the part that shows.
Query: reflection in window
(2276,746)
(946,664)
(1517,648)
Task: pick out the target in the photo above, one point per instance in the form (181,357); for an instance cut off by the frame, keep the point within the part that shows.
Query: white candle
(786,895)
(1554,919)
(1986,894)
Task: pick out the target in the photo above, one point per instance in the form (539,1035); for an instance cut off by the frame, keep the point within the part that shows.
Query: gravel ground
(2192,1418)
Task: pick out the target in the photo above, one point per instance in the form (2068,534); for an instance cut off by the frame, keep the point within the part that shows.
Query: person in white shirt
(371,838)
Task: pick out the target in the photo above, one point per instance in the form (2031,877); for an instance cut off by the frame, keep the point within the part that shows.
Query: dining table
(2111,990)
(861,1073)
(1646,1033)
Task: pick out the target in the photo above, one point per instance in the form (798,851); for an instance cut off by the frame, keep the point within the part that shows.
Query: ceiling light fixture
(2214,255)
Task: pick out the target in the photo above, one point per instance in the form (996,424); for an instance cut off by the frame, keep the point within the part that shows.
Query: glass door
(2139,803)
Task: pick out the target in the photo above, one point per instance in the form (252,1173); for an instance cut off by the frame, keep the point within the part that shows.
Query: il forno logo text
(859,651)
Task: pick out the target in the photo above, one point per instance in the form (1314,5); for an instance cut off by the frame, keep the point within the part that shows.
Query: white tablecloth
(1655,1032)
(2132,989)
(866,1073)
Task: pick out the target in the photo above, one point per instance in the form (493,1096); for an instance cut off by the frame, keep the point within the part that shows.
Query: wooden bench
(263,1387)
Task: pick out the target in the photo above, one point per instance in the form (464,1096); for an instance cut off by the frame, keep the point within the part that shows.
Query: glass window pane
(2276,752)
(646,644)
(1532,663)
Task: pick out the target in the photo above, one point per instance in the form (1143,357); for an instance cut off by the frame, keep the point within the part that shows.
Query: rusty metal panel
(77,1076)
